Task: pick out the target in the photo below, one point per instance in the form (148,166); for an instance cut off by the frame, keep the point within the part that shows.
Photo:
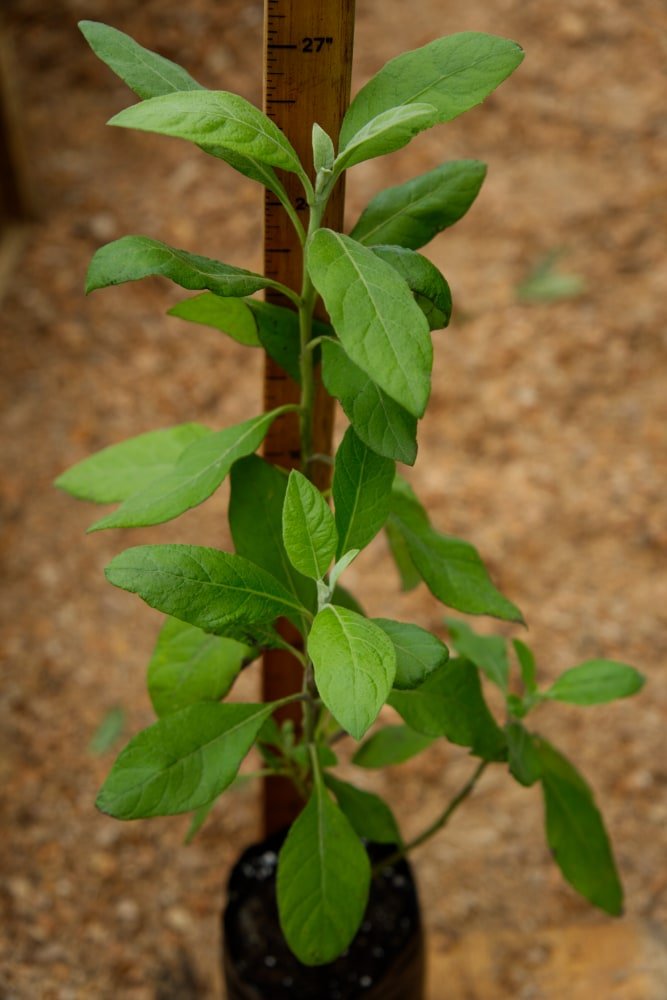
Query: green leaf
(199,817)
(387,132)
(197,474)
(547,283)
(453,74)
(231,316)
(411,214)
(108,731)
(215,591)
(596,682)
(407,571)
(361,492)
(369,815)
(450,703)
(380,326)
(343,598)
(212,118)
(488,652)
(323,149)
(418,653)
(523,757)
(116,472)
(133,257)
(576,833)
(256,522)
(526,664)
(339,568)
(322,883)
(145,72)
(189,666)
(451,568)
(182,762)
(355,665)
(309,530)
(278,332)
(390,745)
(379,421)
(428,286)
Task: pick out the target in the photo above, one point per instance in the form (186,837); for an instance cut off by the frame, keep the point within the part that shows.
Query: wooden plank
(307,69)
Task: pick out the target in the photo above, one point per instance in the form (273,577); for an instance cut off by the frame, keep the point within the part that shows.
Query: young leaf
(133,257)
(182,762)
(323,149)
(411,214)
(369,815)
(418,653)
(527,665)
(355,665)
(361,492)
(339,568)
(322,882)
(189,666)
(379,421)
(576,833)
(390,745)
(450,703)
(197,474)
(410,577)
(116,472)
(596,682)
(488,652)
(146,73)
(453,74)
(256,522)
(212,118)
(387,132)
(215,591)
(428,286)
(524,760)
(231,316)
(309,530)
(108,732)
(451,568)
(380,326)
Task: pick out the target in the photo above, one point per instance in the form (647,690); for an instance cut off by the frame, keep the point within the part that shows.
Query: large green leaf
(370,815)
(390,745)
(116,472)
(309,530)
(576,833)
(488,652)
(182,762)
(411,214)
(216,591)
(212,118)
(355,665)
(361,492)
(418,652)
(385,133)
(372,310)
(278,332)
(256,522)
(453,74)
(450,703)
(596,682)
(133,257)
(231,316)
(428,286)
(451,568)
(387,428)
(322,882)
(198,472)
(189,666)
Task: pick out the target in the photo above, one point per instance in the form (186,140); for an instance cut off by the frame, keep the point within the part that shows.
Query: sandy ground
(544,445)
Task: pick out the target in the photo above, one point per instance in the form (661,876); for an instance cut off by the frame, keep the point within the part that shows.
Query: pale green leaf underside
(355,666)
(182,762)
(322,882)
(197,473)
(361,492)
(115,473)
(309,530)
(418,652)
(372,310)
(216,591)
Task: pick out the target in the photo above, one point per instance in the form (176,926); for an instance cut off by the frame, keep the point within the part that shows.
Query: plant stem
(306,307)
(440,822)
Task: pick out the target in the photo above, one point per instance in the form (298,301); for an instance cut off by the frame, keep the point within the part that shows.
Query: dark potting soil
(384,960)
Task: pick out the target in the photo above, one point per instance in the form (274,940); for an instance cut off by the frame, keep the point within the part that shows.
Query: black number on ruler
(315,44)
(301,204)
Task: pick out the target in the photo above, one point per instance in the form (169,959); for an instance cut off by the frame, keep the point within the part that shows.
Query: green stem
(306,307)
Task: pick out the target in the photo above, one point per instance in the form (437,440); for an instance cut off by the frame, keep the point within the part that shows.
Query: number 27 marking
(315,44)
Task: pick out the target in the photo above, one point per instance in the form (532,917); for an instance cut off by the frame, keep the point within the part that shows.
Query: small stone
(127,911)
(178,919)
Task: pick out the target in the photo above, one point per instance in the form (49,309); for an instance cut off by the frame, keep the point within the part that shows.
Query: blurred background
(544,446)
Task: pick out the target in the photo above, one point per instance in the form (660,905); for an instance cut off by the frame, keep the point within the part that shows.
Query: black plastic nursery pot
(384,962)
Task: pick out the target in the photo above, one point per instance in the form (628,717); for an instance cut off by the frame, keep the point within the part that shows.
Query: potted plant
(293,544)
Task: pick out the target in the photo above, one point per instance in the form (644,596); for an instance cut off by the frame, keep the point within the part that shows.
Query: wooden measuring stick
(307,68)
